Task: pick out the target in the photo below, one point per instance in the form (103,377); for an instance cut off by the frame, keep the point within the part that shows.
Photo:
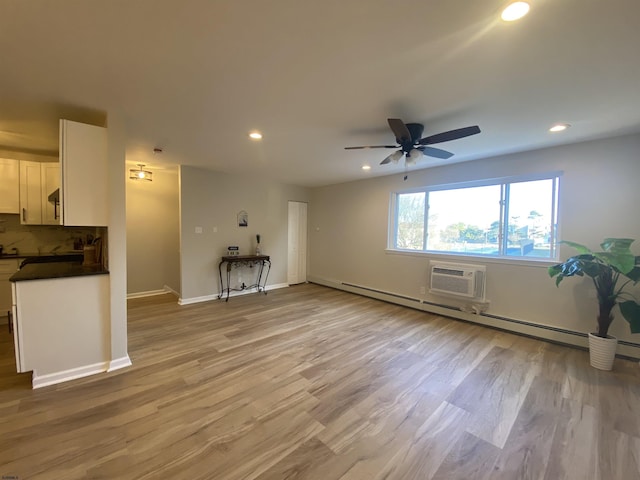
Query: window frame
(504,182)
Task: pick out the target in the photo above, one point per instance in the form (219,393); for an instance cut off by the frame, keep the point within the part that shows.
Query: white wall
(212,200)
(348,228)
(116,142)
(153,237)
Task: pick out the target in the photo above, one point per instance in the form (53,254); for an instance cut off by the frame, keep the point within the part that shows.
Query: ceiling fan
(413,147)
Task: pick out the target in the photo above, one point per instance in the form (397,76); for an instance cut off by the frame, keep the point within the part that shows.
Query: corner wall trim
(119,363)
(39,381)
(168,289)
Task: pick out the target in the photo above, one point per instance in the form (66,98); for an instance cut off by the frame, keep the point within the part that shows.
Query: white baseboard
(39,381)
(205,298)
(544,332)
(152,293)
(119,363)
(208,298)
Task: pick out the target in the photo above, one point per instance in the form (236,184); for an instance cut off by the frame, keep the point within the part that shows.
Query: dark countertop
(40,271)
(9,256)
(21,255)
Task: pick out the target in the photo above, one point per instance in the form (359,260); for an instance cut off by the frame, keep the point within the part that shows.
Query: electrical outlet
(198,229)
(215,229)
(423,290)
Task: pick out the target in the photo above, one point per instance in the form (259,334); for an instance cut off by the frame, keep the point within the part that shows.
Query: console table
(235,261)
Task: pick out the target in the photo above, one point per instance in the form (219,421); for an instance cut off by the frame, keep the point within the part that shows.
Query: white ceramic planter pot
(602,351)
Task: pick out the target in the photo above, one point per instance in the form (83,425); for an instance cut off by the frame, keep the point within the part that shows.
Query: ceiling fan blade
(450,135)
(386,161)
(436,152)
(371,146)
(399,129)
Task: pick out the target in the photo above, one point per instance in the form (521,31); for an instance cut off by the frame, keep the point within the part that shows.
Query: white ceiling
(195,76)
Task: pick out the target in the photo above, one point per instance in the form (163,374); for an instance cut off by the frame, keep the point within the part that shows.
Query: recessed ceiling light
(559,127)
(255,135)
(515,11)
(366,167)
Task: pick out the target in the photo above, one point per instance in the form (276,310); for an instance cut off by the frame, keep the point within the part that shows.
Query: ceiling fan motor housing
(415,130)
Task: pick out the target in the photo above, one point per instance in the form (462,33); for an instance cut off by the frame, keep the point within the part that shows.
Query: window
(503,218)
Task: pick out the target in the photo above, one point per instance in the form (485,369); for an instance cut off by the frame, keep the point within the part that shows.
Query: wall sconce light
(140,174)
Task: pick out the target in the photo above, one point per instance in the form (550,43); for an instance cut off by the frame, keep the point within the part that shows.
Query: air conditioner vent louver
(448,271)
(460,280)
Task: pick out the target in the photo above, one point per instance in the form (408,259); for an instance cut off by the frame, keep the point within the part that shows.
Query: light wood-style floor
(313,383)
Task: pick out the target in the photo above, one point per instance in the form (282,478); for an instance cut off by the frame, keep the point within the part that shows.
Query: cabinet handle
(24,214)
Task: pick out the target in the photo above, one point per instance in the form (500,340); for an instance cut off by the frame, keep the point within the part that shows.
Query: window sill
(466,258)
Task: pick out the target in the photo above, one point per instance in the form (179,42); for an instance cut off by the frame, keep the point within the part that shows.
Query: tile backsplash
(36,239)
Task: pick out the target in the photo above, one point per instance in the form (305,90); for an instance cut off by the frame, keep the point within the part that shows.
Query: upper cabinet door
(83,159)
(9,181)
(30,193)
(50,182)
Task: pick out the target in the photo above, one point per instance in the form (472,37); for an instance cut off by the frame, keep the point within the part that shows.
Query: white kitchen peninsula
(61,321)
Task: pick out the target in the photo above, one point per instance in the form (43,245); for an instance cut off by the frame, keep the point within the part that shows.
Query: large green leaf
(592,268)
(631,312)
(634,274)
(554,270)
(578,246)
(617,245)
(622,261)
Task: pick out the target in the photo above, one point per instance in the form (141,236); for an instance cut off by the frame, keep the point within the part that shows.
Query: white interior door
(297,255)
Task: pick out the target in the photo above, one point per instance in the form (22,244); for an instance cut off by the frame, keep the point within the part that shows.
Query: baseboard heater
(411,299)
(487,315)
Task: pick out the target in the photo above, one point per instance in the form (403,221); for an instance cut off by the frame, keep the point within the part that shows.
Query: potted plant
(611,270)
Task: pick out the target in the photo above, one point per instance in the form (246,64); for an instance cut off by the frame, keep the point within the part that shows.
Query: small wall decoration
(243,219)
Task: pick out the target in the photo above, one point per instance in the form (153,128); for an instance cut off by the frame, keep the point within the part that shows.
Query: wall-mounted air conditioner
(461,280)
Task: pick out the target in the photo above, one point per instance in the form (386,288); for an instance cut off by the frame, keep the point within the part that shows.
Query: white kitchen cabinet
(83,158)
(9,186)
(8,267)
(30,193)
(50,182)
(37,181)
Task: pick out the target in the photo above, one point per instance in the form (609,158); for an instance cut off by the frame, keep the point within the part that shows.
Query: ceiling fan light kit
(413,156)
(413,147)
(393,158)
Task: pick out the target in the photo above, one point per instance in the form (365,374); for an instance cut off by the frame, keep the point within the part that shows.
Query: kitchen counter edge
(42,271)
(22,256)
